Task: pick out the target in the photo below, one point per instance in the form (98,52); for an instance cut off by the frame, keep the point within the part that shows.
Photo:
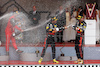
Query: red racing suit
(10,29)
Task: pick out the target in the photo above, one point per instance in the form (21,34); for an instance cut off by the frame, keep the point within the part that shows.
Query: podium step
(4,58)
(34,57)
(67,58)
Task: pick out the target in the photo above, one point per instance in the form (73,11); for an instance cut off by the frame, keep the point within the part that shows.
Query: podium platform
(4,58)
(90,32)
(34,57)
(67,58)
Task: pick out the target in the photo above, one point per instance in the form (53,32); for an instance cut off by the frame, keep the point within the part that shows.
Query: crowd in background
(66,17)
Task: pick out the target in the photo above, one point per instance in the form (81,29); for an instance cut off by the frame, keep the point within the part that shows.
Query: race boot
(19,51)
(40,60)
(55,61)
(81,62)
(77,60)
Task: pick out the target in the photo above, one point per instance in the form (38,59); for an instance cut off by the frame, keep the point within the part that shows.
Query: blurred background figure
(34,15)
(0,26)
(61,22)
(97,26)
(0,10)
(73,22)
(66,36)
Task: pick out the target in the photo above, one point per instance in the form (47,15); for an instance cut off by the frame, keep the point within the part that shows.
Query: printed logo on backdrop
(90,11)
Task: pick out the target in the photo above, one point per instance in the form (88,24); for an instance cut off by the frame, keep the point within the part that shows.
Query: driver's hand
(22,30)
(77,28)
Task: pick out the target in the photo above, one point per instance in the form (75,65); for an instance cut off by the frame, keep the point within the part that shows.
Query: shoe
(81,62)
(77,60)
(7,53)
(40,60)
(19,51)
(55,61)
